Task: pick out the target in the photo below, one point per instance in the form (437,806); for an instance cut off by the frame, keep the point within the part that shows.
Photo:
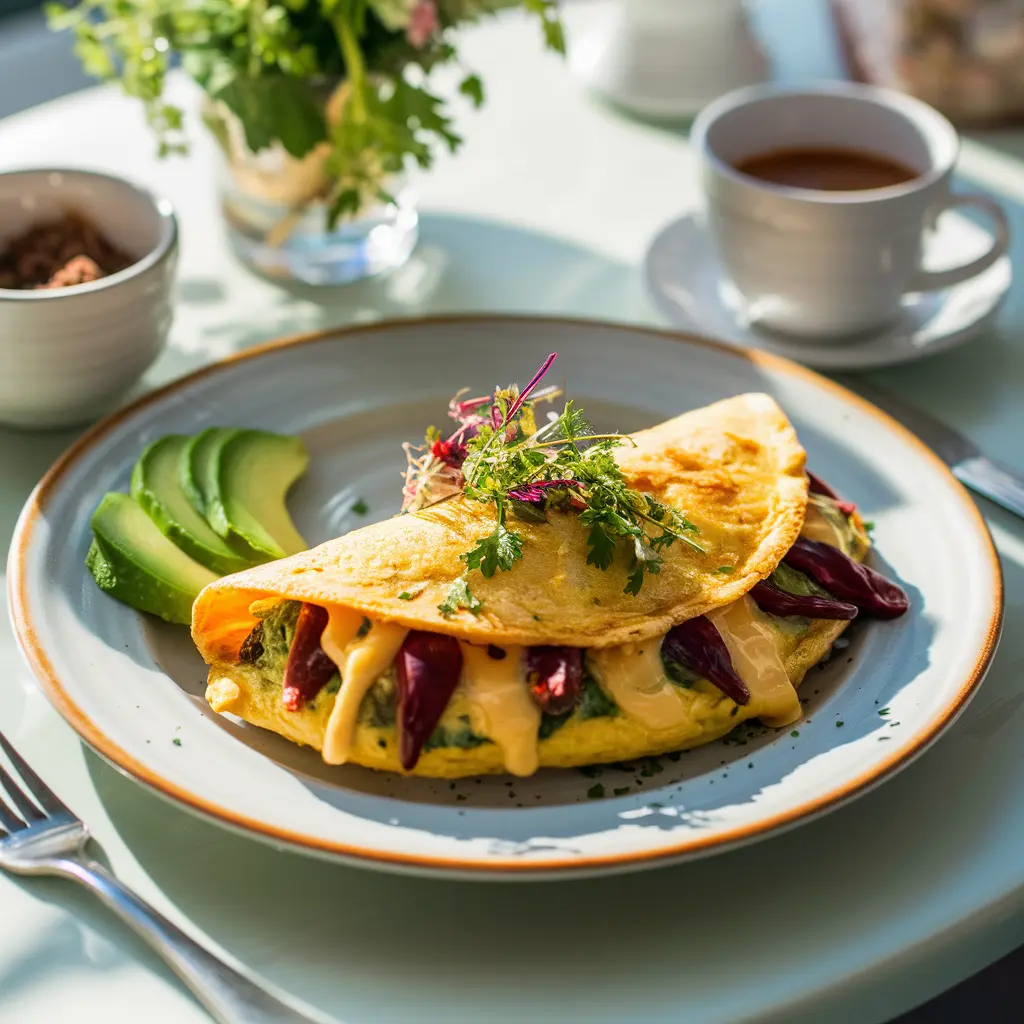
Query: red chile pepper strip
(698,646)
(818,486)
(428,668)
(773,599)
(555,677)
(308,669)
(848,580)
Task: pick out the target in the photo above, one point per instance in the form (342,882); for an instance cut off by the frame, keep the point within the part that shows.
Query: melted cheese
(817,527)
(755,656)
(634,677)
(360,661)
(340,631)
(501,707)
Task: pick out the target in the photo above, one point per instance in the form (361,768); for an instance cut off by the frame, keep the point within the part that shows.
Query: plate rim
(555,867)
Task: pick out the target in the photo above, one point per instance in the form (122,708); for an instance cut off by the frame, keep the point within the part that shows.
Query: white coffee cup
(822,263)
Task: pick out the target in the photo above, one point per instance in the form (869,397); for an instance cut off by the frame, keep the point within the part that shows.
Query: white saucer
(687,283)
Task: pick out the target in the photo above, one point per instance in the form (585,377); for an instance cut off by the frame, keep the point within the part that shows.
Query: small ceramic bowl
(66,354)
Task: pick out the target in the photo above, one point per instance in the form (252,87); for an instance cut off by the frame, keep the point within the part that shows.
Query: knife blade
(968,463)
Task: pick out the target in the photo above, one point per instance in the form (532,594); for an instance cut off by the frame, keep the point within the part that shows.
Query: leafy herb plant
(346,74)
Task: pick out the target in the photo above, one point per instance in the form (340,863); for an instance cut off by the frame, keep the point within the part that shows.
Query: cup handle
(934,280)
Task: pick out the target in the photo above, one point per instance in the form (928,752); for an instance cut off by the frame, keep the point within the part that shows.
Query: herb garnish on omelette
(499,456)
(553,597)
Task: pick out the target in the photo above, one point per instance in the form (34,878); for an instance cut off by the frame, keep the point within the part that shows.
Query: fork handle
(230,997)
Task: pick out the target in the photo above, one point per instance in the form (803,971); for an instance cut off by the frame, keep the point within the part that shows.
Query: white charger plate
(133,687)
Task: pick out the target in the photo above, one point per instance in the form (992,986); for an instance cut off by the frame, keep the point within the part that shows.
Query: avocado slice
(133,561)
(157,487)
(249,474)
(198,471)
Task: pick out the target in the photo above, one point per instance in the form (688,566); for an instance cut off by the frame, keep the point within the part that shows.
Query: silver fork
(41,836)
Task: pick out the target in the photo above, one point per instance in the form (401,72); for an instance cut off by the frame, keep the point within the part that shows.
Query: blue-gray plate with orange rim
(133,686)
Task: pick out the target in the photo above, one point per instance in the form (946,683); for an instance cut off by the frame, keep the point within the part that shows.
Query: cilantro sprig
(566,466)
(498,550)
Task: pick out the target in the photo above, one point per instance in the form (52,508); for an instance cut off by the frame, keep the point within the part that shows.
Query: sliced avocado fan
(133,561)
(245,476)
(201,507)
(157,487)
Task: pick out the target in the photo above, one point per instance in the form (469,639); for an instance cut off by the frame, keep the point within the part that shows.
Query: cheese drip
(755,656)
(360,661)
(634,677)
(501,707)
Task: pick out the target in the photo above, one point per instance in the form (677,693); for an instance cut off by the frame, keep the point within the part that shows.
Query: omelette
(391,648)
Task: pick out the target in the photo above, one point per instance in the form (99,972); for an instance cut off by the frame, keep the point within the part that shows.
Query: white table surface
(548,209)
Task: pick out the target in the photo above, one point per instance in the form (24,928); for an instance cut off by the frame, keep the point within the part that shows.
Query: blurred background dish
(964,57)
(667,58)
(75,336)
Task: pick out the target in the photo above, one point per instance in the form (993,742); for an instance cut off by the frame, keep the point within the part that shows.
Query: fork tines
(47,800)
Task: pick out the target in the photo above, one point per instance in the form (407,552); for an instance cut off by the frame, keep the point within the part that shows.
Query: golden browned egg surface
(735,468)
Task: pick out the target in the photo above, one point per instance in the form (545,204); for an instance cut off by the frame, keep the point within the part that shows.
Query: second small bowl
(67,354)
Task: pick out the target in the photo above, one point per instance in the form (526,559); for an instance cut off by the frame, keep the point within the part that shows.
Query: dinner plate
(133,686)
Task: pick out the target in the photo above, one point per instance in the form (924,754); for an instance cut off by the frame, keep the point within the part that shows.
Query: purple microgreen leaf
(535,492)
(534,381)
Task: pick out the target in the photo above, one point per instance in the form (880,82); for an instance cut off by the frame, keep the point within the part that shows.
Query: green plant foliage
(298,73)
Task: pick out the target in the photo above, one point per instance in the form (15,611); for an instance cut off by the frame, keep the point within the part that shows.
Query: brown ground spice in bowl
(59,254)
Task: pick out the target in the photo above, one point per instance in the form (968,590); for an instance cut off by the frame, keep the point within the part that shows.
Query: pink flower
(423,24)
(450,452)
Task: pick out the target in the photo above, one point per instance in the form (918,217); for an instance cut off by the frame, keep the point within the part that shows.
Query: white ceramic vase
(668,58)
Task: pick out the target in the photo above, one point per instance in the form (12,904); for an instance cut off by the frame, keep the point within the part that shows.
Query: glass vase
(276,217)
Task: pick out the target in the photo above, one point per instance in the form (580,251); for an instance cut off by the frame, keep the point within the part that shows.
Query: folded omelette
(370,606)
